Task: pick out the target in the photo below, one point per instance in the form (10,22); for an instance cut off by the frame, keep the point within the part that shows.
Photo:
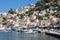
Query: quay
(53,33)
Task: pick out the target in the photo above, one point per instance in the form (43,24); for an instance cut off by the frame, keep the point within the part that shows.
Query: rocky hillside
(51,7)
(43,8)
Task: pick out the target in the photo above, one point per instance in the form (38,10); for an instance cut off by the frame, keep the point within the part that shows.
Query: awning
(35,25)
(57,25)
(43,26)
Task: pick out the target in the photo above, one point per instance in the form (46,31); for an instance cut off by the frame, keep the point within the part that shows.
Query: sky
(5,5)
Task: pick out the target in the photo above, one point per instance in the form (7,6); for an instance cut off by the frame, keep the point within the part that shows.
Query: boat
(2,29)
(8,29)
(29,31)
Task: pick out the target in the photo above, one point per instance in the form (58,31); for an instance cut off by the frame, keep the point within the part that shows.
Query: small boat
(29,31)
(2,29)
(8,29)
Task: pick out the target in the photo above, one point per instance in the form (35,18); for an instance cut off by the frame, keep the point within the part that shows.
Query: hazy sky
(5,5)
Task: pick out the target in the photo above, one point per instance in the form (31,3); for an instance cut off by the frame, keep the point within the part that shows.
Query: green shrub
(39,17)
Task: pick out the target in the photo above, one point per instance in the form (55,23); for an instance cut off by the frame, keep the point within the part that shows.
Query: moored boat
(29,31)
(2,29)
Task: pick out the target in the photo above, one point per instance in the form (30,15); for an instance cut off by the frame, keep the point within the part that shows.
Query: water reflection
(22,36)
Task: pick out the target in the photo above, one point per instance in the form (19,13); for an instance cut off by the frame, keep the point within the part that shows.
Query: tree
(4,21)
(39,17)
(39,8)
(47,1)
(47,6)
(11,11)
(30,12)
(41,5)
(51,26)
(38,3)
(46,15)
(57,15)
(21,16)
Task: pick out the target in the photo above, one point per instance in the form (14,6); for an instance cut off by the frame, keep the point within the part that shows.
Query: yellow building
(45,22)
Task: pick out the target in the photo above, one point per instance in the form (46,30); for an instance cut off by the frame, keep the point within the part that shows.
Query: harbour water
(25,36)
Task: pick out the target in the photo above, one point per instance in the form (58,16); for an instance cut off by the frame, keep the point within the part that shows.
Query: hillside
(43,8)
(44,13)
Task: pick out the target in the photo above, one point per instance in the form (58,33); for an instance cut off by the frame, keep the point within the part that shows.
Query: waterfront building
(36,12)
(44,23)
(42,13)
(1,25)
